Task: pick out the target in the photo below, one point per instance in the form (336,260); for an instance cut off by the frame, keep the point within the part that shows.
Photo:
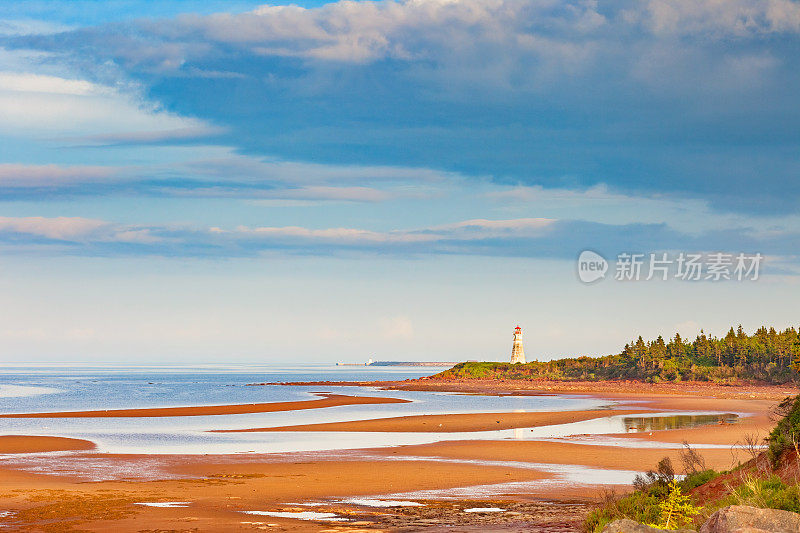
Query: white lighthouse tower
(517,353)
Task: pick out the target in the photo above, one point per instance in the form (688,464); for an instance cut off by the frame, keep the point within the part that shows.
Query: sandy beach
(219,490)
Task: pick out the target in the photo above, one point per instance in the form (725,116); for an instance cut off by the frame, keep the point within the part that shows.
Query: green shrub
(786,434)
(770,493)
(655,490)
(699,478)
(646,505)
(639,506)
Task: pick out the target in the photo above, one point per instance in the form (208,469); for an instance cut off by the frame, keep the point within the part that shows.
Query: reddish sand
(537,387)
(632,389)
(35,444)
(220,491)
(566,453)
(327,400)
(221,487)
(449,423)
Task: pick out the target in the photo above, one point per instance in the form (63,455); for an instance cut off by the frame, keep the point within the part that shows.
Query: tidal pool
(680,421)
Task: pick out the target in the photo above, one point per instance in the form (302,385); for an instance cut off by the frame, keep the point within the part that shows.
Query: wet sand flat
(219,492)
(451,423)
(564,453)
(10,444)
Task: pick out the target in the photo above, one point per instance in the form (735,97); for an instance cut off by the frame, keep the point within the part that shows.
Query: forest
(767,356)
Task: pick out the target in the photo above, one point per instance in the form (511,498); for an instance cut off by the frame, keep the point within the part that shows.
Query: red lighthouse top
(518,328)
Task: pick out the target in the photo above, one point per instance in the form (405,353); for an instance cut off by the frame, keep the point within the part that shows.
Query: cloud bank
(689,99)
(524,237)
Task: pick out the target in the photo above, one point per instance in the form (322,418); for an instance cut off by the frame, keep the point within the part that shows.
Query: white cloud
(154,136)
(30,27)
(38,83)
(468,230)
(538,193)
(70,115)
(245,167)
(19,175)
(77,229)
(332,235)
(141,236)
(720,17)
(40,96)
(80,230)
(258,181)
(517,224)
(323,193)
(60,228)
(483,35)
(359,32)
(524,237)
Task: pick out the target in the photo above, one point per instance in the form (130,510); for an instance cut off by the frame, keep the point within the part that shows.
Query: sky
(233,181)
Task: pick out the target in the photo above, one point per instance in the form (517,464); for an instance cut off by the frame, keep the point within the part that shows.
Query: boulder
(629,526)
(743,519)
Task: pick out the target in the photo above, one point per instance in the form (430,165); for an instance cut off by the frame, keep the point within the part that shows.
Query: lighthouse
(517,353)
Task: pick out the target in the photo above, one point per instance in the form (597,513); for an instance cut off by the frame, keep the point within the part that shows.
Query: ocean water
(70,388)
(54,388)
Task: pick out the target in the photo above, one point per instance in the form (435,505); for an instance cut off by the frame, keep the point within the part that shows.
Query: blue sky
(185,180)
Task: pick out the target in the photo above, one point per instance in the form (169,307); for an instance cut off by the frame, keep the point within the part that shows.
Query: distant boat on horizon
(368,363)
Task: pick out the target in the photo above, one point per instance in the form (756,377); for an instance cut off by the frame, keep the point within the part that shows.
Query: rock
(743,519)
(629,526)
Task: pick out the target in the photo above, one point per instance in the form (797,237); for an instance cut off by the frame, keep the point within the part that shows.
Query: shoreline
(544,387)
(620,388)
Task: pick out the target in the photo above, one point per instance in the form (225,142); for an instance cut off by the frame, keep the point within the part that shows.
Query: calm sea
(71,388)
(62,388)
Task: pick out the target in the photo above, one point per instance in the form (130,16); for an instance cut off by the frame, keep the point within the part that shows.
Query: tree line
(768,355)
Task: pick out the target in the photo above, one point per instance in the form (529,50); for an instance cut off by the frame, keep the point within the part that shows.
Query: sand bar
(565,453)
(326,400)
(36,444)
(451,423)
